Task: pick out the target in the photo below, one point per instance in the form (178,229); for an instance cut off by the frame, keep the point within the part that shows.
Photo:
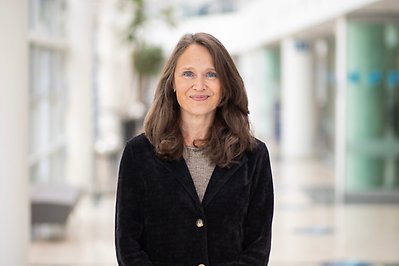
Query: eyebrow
(192,68)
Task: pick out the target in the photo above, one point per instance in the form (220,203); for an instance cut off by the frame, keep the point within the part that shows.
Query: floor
(309,228)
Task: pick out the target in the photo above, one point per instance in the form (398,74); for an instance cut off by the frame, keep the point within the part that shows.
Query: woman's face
(196,83)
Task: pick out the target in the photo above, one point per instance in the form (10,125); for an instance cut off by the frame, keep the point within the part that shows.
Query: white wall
(14,181)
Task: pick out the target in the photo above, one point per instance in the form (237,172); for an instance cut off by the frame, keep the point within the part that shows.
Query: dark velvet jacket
(158,210)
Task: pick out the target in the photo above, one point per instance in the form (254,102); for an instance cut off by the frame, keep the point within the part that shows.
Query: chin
(202,112)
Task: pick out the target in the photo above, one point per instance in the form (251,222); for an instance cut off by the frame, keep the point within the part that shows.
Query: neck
(195,128)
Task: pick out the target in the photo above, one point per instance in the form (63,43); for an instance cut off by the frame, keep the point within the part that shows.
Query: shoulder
(259,162)
(260,149)
(140,146)
(261,145)
(259,154)
(139,142)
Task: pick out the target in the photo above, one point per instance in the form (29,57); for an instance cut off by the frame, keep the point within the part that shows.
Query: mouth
(199,97)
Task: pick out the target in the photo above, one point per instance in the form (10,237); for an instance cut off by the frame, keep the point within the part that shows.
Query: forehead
(195,54)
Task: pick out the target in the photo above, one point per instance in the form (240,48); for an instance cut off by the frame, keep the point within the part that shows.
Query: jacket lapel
(219,177)
(179,170)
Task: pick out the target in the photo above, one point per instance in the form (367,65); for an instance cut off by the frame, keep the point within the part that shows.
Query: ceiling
(380,8)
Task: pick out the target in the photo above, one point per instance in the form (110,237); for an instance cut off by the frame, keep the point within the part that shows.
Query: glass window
(373,104)
(46,17)
(47,144)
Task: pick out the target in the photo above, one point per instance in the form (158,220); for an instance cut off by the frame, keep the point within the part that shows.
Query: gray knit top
(200,167)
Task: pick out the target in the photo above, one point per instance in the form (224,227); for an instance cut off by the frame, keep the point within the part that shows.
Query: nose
(200,83)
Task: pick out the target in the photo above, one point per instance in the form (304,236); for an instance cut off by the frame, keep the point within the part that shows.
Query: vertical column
(272,87)
(80,98)
(391,36)
(252,68)
(297,99)
(341,37)
(365,104)
(14,182)
(109,50)
(110,74)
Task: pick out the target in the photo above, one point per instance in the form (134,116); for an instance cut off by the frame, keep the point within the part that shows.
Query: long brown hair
(229,136)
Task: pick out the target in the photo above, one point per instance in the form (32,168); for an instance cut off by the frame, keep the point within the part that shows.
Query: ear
(170,80)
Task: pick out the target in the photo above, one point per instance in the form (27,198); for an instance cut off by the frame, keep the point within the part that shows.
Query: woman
(195,188)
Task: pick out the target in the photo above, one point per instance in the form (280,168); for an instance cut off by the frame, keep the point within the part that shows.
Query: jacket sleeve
(258,223)
(129,212)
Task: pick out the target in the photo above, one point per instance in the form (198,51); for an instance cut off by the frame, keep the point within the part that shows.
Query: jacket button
(200,223)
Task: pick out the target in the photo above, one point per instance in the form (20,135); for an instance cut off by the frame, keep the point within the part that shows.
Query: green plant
(146,58)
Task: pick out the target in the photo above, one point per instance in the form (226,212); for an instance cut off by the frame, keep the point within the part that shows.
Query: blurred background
(322,76)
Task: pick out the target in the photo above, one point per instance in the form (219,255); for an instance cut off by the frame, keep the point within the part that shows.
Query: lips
(199,97)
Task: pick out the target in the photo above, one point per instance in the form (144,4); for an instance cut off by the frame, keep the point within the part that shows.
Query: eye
(211,75)
(188,74)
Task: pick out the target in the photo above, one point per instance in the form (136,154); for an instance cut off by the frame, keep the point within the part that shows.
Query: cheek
(182,85)
(181,98)
(218,87)
(218,91)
